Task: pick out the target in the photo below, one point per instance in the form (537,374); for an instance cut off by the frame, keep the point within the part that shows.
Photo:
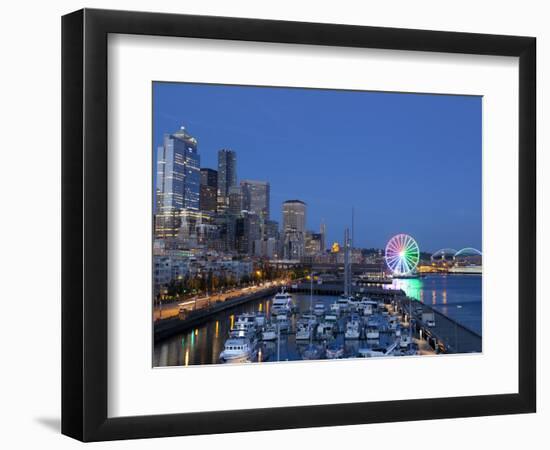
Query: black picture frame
(84,224)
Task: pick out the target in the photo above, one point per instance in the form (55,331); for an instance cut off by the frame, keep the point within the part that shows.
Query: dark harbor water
(457,296)
(203,344)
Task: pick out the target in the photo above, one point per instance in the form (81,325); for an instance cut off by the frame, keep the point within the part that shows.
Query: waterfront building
(178,182)
(255,197)
(179,266)
(227,176)
(209,190)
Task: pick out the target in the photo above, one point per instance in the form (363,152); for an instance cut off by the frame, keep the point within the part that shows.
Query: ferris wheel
(402,254)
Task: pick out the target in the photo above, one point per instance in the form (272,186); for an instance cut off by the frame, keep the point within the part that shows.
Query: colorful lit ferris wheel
(402,254)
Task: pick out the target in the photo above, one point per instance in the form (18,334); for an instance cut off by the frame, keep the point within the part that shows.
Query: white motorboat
(281,320)
(325,330)
(243,333)
(353,328)
(343,301)
(354,303)
(367,306)
(245,321)
(373,321)
(282,303)
(303,331)
(335,308)
(319,309)
(269,333)
(237,350)
(372,332)
(333,318)
(309,318)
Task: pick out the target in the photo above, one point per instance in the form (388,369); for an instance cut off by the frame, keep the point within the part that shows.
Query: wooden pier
(447,336)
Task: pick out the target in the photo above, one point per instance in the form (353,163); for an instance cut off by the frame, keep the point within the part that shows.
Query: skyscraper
(209,190)
(294,216)
(247,232)
(234,201)
(256,197)
(294,227)
(323,232)
(227,175)
(178,181)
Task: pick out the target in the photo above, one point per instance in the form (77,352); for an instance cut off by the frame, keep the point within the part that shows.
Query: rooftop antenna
(352,225)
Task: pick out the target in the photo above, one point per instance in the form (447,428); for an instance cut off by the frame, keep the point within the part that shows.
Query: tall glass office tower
(256,197)
(294,228)
(294,216)
(178,181)
(227,176)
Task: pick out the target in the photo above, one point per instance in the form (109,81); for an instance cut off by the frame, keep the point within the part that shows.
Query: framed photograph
(273,224)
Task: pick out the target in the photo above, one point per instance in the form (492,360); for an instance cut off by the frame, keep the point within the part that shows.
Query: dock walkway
(452,336)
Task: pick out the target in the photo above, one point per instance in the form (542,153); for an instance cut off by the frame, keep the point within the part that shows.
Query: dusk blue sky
(407,163)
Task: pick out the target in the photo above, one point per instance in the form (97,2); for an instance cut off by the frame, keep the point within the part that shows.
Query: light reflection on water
(456,296)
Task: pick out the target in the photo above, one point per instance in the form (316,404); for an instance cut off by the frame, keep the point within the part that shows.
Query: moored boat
(269,333)
(237,350)
(303,331)
(319,309)
(282,303)
(325,330)
(353,328)
(372,332)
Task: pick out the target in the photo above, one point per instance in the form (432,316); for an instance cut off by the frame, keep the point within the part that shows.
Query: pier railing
(454,336)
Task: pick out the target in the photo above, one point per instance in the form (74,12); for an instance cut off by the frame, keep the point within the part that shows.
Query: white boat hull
(269,336)
(352,335)
(300,336)
(235,358)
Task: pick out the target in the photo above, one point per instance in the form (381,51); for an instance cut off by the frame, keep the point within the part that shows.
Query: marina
(291,326)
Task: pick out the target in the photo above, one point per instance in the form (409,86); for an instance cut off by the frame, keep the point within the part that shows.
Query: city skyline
(448,214)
